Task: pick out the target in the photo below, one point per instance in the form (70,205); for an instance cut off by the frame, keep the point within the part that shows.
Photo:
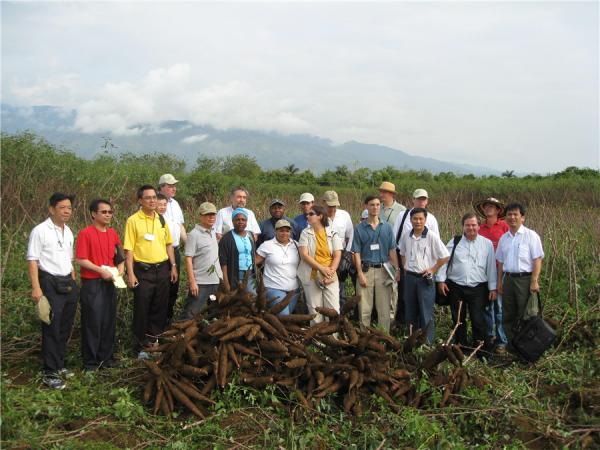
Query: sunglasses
(106,211)
(311,213)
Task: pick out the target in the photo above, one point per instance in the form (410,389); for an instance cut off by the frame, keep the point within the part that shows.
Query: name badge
(149,237)
(374,247)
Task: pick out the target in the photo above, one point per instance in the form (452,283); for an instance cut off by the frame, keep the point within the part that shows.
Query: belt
(517,274)
(148,266)
(414,274)
(48,274)
(375,266)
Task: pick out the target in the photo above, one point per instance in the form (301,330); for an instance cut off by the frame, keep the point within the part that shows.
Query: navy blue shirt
(267,230)
(365,236)
(302,222)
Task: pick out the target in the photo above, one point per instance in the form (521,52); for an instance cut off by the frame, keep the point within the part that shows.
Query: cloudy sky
(497,84)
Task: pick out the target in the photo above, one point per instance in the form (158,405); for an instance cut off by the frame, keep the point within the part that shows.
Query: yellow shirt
(322,254)
(138,229)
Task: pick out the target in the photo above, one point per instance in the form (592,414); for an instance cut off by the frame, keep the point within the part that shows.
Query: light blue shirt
(474,262)
(244,248)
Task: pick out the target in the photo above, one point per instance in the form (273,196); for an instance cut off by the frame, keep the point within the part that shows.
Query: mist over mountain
(188,141)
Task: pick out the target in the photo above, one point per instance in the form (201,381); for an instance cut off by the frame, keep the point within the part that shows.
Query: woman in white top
(281,259)
(321,251)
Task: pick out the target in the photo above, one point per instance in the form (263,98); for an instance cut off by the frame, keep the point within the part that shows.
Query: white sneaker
(54,382)
(143,355)
(65,373)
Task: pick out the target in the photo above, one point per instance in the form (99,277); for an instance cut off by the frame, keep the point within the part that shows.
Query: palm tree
(291,169)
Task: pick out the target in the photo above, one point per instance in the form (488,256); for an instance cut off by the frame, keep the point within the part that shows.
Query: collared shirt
(281,264)
(202,246)
(309,240)
(96,246)
(493,232)
(430,222)
(224,223)
(267,230)
(174,214)
(302,222)
(342,224)
(517,252)
(390,214)
(421,253)
(51,247)
(147,238)
(244,248)
(366,238)
(473,263)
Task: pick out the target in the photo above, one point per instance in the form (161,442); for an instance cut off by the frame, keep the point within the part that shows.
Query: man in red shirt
(493,227)
(98,247)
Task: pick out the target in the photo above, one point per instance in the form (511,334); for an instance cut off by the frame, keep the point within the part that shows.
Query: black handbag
(346,267)
(441,299)
(534,337)
(64,285)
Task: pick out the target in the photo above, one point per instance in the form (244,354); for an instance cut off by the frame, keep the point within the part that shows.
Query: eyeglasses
(311,213)
(149,197)
(106,211)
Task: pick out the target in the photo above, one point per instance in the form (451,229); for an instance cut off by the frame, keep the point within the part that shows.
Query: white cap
(306,197)
(167,178)
(420,193)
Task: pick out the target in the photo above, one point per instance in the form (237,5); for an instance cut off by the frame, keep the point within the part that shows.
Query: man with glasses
(49,256)
(238,198)
(95,252)
(151,266)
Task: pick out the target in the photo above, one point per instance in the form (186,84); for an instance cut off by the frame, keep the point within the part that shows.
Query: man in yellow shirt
(150,263)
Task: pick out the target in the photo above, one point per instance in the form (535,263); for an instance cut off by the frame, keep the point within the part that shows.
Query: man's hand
(106,275)
(534,286)
(193,288)
(397,275)
(132,280)
(362,279)
(173,274)
(443,288)
(499,287)
(493,296)
(36,294)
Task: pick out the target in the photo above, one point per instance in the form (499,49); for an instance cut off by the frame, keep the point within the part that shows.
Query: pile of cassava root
(239,336)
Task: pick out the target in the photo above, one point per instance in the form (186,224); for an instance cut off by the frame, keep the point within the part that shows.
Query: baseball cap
(207,208)
(331,198)
(420,193)
(167,178)
(306,197)
(276,201)
(282,223)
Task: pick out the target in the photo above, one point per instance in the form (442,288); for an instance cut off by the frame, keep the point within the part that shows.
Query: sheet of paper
(117,279)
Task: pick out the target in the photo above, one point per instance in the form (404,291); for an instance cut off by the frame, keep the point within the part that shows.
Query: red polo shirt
(494,232)
(98,247)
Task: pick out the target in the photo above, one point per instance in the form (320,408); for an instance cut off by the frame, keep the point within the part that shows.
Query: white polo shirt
(52,248)
(517,252)
(224,218)
(281,264)
(174,216)
(342,224)
(430,222)
(421,252)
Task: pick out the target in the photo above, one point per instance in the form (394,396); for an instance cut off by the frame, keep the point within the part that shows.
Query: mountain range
(189,141)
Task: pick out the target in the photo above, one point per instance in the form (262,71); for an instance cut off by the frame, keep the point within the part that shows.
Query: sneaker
(54,382)
(500,350)
(65,373)
(143,355)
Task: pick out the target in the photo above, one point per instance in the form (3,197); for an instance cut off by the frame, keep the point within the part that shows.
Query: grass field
(553,404)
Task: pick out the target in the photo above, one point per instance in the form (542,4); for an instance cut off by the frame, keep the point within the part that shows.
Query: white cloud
(194,139)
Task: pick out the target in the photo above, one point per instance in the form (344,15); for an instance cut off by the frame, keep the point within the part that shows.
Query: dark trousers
(174,287)
(150,302)
(98,321)
(419,300)
(515,293)
(193,305)
(64,307)
(475,299)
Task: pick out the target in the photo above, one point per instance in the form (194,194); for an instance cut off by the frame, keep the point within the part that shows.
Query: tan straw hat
(388,187)
(44,311)
(479,206)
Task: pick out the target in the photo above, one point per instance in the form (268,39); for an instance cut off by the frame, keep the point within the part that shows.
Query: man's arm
(87,264)
(132,280)
(189,268)
(394,260)
(183,235)
(362,279)
(535,275)
(36,290)
(499,283)
(171,254)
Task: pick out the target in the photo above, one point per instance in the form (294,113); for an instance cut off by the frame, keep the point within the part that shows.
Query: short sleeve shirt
(224,222)
(174,215)
(494,232)
(147,238)
(202,246)
(98,247)
(422,252)
(374,245)
(517,252)
(52,248)
(281,264)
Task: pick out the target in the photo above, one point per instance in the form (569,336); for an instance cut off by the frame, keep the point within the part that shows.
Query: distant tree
(208,164)
(508,174)
(291,169)
(342,171)
(241,166)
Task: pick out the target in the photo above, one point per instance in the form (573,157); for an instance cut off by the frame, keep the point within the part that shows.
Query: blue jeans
(251,285)
(493,316)
(278,295)
(419,300)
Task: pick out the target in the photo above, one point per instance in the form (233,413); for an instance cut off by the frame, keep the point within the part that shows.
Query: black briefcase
(535,336)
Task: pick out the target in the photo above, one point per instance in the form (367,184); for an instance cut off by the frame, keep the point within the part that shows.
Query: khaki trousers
(376,292)
(325,298)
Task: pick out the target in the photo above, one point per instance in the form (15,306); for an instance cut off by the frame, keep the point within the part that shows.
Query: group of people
(394,255)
